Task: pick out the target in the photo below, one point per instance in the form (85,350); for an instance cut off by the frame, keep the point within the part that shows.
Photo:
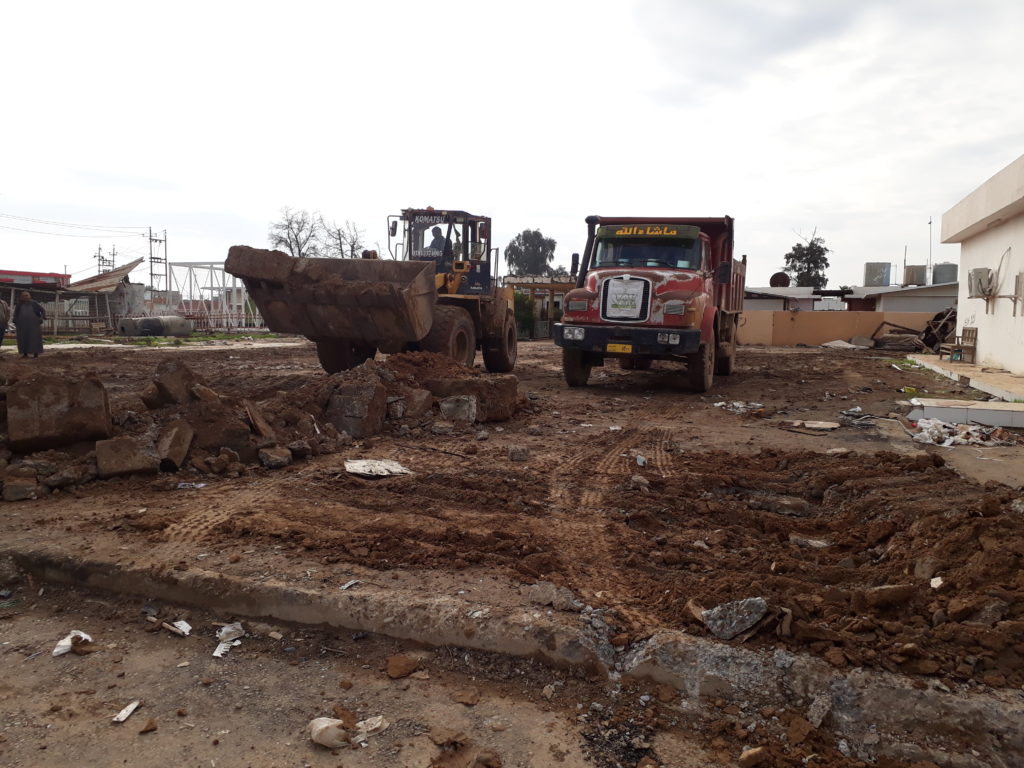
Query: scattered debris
(936,432)
(328,732)
(738,406)
(349,584)
(229,636)
(375,467)
(125,713)
(67,644)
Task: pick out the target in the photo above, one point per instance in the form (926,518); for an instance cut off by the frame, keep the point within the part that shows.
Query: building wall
(787,329)
(1000,322)
(916,302)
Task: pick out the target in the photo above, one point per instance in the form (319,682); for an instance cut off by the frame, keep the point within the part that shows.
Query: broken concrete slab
(173,444)
(174,381)
(731,619)
(47,412)
(21,489)
(218,426)
(358,407)
(461,409)
(126,455)
(497,394)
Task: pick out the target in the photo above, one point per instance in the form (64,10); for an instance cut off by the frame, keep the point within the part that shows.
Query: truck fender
(708,325)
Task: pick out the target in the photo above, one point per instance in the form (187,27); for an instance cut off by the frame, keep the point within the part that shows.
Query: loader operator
(438,242)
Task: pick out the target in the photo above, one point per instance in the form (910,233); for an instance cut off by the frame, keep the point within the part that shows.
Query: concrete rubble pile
(62,433)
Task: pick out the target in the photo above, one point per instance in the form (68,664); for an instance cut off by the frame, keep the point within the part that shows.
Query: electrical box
(980,283)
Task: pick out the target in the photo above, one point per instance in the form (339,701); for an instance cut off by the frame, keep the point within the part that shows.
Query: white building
(989,225)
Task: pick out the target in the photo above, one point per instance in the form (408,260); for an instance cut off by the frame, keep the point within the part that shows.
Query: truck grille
(625,300)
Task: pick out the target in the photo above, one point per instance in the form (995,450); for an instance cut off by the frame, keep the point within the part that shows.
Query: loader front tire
(500,353)
(452,335)
(341,354)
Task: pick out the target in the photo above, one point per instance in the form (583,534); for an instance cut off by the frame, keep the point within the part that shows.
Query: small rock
(889,595)
(149,727)
(535,429)
(300,449)
(730,619)
(548,692)
(806,543)
(518,453)
(275,457)
(638,483)
(401,665)
(753,756)
(468,696)
(482,435)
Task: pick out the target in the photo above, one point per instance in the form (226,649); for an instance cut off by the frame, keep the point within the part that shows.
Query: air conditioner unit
(980,283)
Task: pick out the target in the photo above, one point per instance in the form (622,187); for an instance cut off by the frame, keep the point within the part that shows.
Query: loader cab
(457,242)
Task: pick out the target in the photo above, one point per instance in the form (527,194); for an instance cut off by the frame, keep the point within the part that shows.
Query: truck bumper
(642,342)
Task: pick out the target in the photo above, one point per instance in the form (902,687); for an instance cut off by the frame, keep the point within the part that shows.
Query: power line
(68,234)
(64,223)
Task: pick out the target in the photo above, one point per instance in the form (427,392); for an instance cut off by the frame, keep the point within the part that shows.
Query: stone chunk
(173,445)
(20,489)
(753,756)
(275,457)
(174,381)
(888,595)
(518,453)
(401,665)
(730,619)
(300,449)
(418,402)
(462,409)
(358,407)
(47,411)
(125,456)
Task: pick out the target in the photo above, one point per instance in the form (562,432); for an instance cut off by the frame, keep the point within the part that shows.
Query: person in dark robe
(28,317)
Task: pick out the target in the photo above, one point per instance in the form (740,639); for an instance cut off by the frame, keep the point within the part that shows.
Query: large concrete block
(47,411)
(461,409)
(218,426)
(125,456)
(358,407)
(497,394)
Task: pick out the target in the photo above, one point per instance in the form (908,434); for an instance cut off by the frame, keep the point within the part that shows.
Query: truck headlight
(668,338)
(572,333)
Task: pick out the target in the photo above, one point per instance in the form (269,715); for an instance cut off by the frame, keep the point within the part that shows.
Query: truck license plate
(626,348)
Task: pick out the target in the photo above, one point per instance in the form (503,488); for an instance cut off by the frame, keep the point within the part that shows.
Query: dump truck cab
(654,289)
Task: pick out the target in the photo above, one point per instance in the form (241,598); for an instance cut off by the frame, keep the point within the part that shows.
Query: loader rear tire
(341,354)
(575,367)
(500,353)
(452,335)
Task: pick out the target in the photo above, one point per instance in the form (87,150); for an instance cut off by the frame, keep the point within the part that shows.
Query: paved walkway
(1001,383)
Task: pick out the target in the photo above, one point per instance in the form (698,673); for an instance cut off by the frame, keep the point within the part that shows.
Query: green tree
(806,263)
(524,312)
(529,253)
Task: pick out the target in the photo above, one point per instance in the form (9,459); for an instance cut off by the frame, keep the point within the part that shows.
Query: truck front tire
(575,368)
(700,368)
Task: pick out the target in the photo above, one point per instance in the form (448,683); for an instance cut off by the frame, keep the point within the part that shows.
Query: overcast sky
(857,119)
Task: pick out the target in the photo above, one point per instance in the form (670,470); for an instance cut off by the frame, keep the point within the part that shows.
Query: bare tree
(341,242)
(298,233)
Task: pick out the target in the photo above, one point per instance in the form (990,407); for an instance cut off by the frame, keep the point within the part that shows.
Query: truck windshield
(647,252)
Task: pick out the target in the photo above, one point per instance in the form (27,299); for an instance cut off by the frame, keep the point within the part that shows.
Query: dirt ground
(643,498)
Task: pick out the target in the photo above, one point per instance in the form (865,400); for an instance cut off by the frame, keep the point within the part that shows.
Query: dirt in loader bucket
(364,300)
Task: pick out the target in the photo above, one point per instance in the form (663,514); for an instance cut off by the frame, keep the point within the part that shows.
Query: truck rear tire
(725,357)
(575,368)
(452,335)
(341,354)
(700,368)
(500,353)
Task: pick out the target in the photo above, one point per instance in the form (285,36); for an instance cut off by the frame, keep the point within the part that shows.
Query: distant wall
(787,329)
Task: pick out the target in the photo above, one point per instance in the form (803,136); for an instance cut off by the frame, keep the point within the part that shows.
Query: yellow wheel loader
(438,293)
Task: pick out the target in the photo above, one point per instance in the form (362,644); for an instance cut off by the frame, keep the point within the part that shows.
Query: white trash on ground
(938,432)
(65,644)
(375,467)
(229,635)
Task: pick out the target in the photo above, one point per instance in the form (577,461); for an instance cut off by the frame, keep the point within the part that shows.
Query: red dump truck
(654,289)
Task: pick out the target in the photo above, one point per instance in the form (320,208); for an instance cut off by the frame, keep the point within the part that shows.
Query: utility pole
(157,265)
(929,250)
(106,263)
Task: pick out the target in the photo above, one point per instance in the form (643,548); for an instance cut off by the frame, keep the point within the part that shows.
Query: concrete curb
(876,713)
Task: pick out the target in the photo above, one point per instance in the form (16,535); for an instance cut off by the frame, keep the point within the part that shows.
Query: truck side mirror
(575,264)
(394,228)
(723,273)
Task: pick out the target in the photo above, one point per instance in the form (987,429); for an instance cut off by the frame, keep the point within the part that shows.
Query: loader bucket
(368,300)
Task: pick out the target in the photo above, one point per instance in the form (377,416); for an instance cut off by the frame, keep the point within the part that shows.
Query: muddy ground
(646,500)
